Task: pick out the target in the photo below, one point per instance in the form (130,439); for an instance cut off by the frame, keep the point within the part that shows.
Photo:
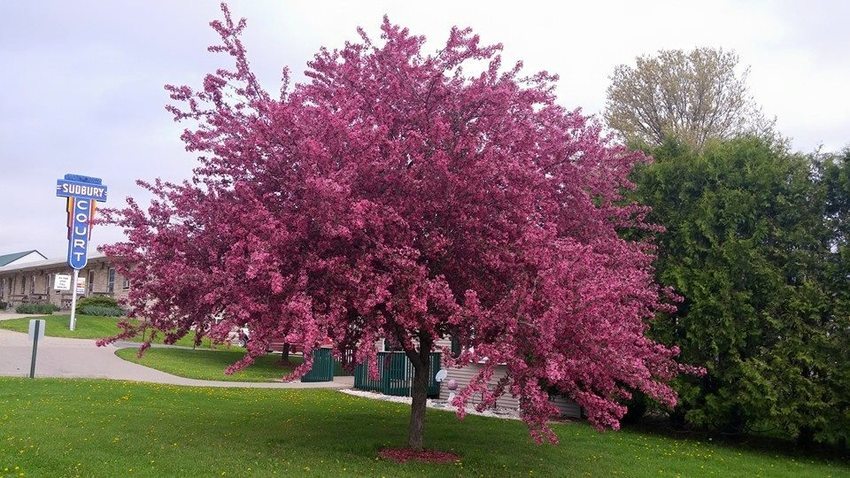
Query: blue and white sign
(82,193)
(80,190)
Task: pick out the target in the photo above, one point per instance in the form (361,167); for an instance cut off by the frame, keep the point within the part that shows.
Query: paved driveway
(61,357)
(12,315)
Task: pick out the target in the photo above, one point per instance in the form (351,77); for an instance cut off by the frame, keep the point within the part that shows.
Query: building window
(32,286)
(47,282)
(455,349)
(91,282)
(23,285)
(125,284)
(110,281)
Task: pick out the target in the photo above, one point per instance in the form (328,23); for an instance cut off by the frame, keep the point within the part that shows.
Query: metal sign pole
(74,299)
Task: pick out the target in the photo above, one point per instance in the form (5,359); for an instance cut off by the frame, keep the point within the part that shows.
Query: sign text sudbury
(82,193)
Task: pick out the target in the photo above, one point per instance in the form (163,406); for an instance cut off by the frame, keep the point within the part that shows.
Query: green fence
(395,375)
(323,367)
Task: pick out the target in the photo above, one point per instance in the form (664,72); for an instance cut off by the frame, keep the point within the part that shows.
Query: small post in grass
(36,333)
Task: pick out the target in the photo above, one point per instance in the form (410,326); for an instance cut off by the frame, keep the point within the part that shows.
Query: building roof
(9,258)
(96,257)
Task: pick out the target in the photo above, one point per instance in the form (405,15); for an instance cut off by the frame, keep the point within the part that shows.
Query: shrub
(3,305)
(99,310)
(96,301)
(36,309)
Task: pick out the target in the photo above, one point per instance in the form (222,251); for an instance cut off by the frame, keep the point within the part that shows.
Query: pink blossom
(398,194)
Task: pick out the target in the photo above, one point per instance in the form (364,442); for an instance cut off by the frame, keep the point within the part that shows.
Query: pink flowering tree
(407,195)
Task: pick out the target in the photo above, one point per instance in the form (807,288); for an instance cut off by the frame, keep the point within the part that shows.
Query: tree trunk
(419,393)
(421,360)
(284,354)
(806,437)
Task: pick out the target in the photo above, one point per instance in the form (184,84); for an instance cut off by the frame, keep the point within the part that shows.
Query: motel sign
(82,193)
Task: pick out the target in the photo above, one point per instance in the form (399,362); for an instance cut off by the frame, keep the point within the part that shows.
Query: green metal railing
(395,375)
(323,367)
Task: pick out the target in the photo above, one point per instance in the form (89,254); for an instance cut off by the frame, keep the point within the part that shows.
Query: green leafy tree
(747,248)
(692,96)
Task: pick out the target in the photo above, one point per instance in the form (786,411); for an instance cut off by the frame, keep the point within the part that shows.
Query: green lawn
(55,427)
(88,327)
(210,364)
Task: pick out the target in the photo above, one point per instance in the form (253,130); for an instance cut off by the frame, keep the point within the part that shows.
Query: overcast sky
(81,87)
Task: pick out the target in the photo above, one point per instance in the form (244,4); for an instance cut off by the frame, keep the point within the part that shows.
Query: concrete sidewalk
(13,315)
(80,358)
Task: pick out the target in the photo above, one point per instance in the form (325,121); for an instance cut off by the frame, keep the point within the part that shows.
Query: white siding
(443,342)
(464,375)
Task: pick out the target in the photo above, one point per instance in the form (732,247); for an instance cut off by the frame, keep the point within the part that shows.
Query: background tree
(395,195)
(747,247)
(689,96)
(834,174)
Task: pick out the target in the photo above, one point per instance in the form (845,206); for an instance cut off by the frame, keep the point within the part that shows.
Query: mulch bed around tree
(403,455)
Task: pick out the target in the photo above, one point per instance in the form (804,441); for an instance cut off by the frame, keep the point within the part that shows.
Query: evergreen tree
(834,173)
(747,248)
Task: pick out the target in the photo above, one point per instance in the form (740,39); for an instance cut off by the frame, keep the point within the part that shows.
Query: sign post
(73,324)
(36,333)
(82,194)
